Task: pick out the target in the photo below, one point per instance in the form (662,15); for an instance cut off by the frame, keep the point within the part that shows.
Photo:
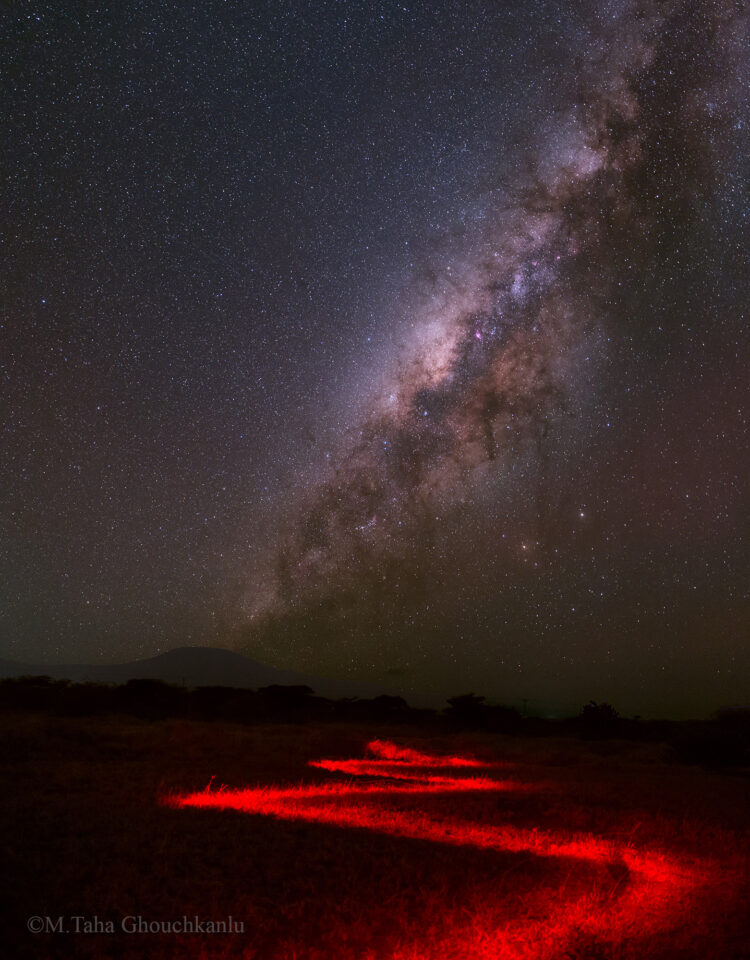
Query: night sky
(404,342)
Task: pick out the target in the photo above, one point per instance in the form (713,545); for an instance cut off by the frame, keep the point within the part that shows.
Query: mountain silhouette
(191,667)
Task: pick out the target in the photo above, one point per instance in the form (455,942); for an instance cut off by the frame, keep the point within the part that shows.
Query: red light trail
(647,888)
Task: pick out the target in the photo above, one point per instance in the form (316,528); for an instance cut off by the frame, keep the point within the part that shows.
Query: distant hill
(191,667)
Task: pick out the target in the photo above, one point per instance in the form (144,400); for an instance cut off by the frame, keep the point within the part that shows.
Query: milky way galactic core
(406,345)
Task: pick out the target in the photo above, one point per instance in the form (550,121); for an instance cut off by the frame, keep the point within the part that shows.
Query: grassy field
(559,848)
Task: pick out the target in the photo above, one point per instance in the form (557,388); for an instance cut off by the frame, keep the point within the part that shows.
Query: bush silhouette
(467,710)
(599,719)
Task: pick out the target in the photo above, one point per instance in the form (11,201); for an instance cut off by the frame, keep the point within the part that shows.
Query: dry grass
(89,837)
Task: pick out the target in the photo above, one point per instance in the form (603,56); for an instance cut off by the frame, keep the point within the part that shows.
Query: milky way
(472,447)
(403,343)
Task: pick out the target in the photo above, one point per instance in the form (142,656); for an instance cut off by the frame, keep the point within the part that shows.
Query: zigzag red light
(650,899)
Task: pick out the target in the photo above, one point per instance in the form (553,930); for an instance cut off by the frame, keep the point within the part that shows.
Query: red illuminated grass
(390,751)
(400,763)
(646,888)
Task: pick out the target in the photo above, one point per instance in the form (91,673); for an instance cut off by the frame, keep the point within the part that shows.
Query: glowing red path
(646,896)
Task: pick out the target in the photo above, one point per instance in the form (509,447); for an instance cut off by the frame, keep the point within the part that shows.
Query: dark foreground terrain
(547,848)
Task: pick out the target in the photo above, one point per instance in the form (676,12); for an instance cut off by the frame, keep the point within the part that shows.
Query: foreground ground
(552,849)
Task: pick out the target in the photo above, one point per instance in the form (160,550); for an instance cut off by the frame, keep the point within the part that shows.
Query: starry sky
(394,341)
